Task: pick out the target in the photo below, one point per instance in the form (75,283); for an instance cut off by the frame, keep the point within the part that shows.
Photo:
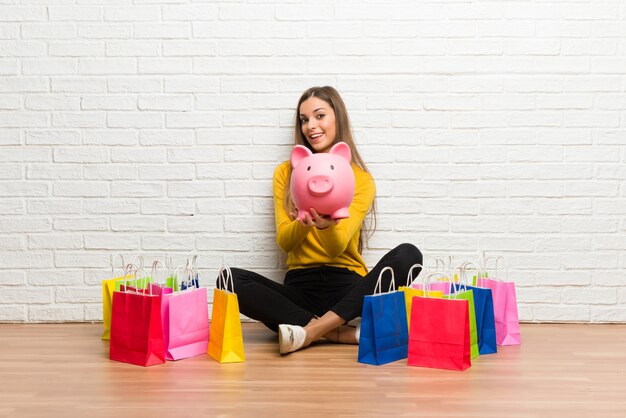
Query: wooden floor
(63,370)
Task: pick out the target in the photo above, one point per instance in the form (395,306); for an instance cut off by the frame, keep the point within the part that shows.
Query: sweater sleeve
(335,238)
(289,232)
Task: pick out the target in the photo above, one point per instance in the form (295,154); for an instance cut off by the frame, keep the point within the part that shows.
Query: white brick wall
(153,127)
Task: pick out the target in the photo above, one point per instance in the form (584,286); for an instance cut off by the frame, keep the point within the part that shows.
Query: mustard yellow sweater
(336,245)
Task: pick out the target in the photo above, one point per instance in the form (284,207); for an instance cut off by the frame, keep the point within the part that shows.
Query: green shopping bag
(468,295)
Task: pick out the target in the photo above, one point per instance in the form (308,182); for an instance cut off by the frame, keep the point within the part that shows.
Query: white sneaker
(356,321)
(290,338)
(357,332)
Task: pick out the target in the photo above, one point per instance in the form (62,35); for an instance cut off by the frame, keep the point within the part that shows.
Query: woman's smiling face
(317,122)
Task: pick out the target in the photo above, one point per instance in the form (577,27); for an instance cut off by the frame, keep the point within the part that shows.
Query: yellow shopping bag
(410,292)
(108,287)
(225,336)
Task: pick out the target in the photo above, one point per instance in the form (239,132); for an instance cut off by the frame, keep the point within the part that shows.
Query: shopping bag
(485,323)
(439,337)
(504,307)
(108,287)
(136,330)
(384,332)
(483,309)
(464,293)
(185,318)
(226,338)
(410,292)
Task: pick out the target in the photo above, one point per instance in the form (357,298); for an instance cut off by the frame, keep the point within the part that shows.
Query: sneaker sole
(281,348)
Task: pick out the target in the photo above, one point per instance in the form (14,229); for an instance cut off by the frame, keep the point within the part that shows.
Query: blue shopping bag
(484,312)
(485,322)
(190,283)
(384,332)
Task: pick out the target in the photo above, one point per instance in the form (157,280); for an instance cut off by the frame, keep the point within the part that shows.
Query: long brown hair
(343,134)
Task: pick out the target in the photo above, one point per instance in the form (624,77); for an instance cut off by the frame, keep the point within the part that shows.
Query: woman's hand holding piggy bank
(323,181)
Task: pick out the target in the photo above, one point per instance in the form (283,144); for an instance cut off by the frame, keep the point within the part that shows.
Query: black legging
(311,292)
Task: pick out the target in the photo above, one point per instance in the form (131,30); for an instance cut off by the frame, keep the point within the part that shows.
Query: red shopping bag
(136,331)
(439,334)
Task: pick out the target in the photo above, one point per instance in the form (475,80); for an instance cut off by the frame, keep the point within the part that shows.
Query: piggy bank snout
(320,185)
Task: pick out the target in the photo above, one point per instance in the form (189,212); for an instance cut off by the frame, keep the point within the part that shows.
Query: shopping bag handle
(450,280)
(222,282)
(154,272)
(505,266)
(193,267)
(137,272)
(189,278)
(113,263)
(463,272)
(392,283)
(148,280)
(446,267)
(435,263)
(137,257)
(194,264)
(175,282)
(409,278)
(127,270)
(169,266)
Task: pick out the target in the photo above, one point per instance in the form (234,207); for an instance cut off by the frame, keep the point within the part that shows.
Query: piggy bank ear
(298,153)
(343,150)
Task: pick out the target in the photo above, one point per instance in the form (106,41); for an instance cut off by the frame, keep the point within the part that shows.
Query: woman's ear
(343,150)
(299,153)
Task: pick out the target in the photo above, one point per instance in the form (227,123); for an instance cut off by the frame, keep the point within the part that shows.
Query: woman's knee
(409,251)
(237,275)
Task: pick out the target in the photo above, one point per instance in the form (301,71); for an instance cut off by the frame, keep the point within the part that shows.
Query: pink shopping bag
(504,309)
(185,317)
(443,287)
(443,270)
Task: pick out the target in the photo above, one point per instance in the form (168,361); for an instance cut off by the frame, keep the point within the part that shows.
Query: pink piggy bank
(322,181)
